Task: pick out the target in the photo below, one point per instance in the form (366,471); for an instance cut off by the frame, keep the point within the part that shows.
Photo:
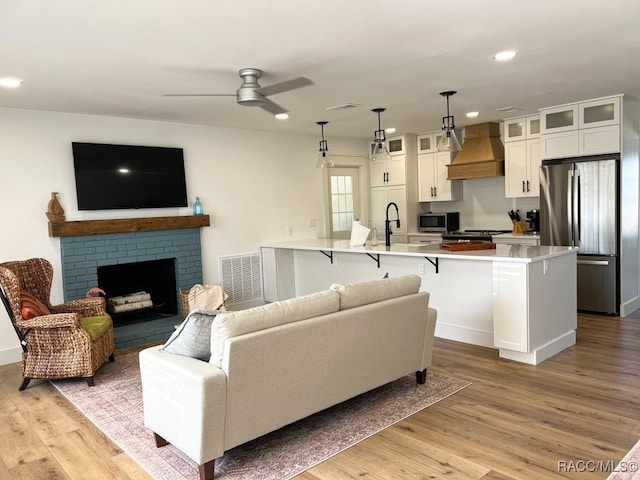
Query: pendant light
(324,160)
(379,151)
(448,141)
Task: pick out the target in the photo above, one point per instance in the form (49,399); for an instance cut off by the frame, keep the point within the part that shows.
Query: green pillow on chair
(96,326)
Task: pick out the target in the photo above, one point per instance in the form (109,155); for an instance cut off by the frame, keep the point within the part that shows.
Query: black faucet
(387,224)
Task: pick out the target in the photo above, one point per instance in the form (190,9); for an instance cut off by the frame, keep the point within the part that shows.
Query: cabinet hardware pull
(523,190)
(435,191)
(527,185)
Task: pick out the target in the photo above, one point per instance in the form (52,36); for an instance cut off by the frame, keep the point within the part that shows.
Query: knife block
(519,226)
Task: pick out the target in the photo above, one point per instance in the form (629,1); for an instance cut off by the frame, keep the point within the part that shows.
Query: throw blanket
(207,297)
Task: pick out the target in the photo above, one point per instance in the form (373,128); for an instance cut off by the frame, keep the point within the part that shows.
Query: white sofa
(278,363)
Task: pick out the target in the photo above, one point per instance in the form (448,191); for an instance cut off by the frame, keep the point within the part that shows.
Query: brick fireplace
(82,255)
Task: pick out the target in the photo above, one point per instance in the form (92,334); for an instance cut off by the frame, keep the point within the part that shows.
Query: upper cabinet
(394,180)
(433,185)
(586,128)
(522,156)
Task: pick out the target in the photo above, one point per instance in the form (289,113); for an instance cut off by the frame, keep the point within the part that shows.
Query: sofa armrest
(432,315)
(184,402)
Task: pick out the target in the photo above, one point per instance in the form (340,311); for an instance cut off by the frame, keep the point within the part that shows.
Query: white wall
(253,185)
(484,205)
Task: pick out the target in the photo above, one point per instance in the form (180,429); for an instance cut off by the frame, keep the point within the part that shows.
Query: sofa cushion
(231,324)
(363,293)
(193,337)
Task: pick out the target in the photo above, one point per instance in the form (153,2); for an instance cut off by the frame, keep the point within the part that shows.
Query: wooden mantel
(124,225)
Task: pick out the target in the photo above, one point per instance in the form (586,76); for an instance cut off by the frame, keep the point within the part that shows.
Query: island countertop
(502,253)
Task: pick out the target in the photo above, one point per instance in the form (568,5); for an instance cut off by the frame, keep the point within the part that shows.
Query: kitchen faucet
(387,224)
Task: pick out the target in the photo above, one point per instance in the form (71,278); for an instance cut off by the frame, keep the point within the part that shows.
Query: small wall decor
(55,212)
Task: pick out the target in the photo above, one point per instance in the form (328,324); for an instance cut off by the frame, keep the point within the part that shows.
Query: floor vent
(242,277)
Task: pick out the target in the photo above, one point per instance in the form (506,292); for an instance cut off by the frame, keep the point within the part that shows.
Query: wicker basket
(184,303)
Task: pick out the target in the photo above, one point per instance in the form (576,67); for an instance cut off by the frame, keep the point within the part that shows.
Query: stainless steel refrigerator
(579,207)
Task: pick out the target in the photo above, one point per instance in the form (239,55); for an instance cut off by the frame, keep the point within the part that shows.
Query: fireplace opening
(140,291)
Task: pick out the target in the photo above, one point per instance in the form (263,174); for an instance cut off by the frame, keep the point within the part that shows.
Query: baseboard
(627,308)
(10,355)
(465,335)
(544,352)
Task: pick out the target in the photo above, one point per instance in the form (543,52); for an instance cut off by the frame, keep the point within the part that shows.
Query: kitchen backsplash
(484,205)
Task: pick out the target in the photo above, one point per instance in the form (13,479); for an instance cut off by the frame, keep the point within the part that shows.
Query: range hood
(482,153)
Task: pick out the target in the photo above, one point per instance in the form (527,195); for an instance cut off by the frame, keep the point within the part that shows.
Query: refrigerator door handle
(569,207)
(600,263)
(576,207)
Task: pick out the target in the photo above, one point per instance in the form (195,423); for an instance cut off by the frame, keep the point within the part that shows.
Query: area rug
(628,467)
(114,405)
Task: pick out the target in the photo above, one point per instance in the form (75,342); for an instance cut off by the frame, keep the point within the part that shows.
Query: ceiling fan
(251,94)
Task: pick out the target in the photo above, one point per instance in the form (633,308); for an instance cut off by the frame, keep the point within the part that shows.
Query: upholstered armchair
(72,339)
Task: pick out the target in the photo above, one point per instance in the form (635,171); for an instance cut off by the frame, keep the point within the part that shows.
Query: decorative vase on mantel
(55,212)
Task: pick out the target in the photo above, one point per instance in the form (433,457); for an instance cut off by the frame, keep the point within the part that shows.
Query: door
(555,204)
(597,283)
(597,217)
(344,194)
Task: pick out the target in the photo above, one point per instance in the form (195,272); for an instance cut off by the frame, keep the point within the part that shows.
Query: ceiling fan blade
(273,107)
(198,94)
(284,86)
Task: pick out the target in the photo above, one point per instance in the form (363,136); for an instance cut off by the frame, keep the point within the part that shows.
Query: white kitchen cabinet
(522,157)
(516,239)
(426,143)
(433,185)
(591,127)
(599,113)
(594,141)
(560,145)
(380,198)
(522,168)
(395,180)
(559,119)
(424,238)
(388,172)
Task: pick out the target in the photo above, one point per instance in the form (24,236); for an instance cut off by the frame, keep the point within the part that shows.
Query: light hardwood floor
(515,422)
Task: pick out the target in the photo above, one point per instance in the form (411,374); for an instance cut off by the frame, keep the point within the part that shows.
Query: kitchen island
(518,299)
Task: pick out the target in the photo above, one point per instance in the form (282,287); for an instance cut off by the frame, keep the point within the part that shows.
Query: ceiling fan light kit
(379,152)
(448,142)
(324,160)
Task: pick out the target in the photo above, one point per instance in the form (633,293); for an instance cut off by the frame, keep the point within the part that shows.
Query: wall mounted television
(128,176)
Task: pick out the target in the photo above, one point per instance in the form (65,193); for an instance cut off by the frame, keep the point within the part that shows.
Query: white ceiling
(117,58)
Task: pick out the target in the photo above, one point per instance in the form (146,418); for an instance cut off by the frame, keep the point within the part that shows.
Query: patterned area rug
(629,466)
(114,405)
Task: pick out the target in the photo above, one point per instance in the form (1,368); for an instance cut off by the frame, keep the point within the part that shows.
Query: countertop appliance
(533,221)
(579,207)
(472,235)
(438,222)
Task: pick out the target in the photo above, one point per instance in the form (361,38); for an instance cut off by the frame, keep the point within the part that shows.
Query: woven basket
(184,303)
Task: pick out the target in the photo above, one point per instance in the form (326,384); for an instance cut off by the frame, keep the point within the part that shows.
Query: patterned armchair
(73,340)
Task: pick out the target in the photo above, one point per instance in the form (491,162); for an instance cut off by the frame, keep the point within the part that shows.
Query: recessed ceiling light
(390,130)
(10,82)
(505,56)
(282,116)
(472,114)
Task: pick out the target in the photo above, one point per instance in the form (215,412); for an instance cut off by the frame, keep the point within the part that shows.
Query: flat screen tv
(128,176)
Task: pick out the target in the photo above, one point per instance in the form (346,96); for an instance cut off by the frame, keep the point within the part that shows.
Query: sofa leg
(90,381)
(421,377)
(206,470)
(25,382)
(160,442)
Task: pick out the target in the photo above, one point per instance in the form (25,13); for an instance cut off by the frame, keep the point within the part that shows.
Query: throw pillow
(31,307)
(193,337)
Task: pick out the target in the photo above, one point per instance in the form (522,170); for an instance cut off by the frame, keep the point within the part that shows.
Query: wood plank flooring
(515,422)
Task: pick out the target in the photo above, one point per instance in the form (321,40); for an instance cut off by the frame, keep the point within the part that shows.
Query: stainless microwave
(439,222)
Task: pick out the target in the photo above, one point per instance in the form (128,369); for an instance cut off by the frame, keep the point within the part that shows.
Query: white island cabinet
(518,299)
